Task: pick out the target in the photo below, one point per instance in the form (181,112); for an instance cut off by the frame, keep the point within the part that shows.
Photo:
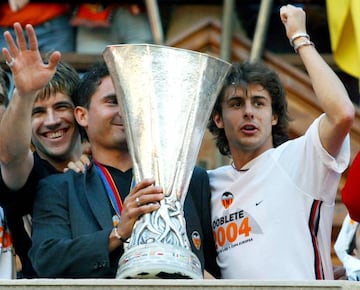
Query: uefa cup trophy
(166,95)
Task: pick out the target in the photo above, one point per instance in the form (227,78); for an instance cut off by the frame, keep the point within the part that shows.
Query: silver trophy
(166,95)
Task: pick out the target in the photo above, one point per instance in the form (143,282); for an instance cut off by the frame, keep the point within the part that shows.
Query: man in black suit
(73,213)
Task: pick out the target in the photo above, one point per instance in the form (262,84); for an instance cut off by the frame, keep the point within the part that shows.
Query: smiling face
(103,120)
(247,119)
(54,130)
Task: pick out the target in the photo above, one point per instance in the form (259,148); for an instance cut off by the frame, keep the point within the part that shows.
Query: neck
(61,163)
(242,154)
(118,159)
(240,159)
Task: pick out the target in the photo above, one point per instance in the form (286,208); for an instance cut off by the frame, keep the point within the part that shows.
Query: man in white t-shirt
(272,208)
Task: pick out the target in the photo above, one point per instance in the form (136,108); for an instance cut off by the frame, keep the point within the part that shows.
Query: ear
(81,116)
(218,121)
(274,120)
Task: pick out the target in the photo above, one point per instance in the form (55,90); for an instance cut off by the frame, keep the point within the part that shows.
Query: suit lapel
(97,198)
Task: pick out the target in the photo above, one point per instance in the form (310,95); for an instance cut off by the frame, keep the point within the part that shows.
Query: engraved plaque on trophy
(166,95)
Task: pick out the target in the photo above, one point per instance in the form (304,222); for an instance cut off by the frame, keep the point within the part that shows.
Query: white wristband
(298,35)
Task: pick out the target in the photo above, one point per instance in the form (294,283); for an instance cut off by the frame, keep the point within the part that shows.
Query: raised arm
(30,74)
(330,91)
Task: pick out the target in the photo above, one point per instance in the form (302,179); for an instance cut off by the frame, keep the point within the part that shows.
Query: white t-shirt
(273,221)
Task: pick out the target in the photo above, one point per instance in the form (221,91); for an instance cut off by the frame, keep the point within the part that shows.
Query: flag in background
(344,27)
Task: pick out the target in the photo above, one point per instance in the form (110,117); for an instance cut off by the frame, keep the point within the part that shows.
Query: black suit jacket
(72,220)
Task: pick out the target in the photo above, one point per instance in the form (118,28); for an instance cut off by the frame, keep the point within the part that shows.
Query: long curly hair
(244,74)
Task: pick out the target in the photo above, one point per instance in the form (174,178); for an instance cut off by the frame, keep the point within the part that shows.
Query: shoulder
(219,171)
(199,184)
(42,168)
(199,172)
(60,187)
(59,178)
(54,180)
(199,178)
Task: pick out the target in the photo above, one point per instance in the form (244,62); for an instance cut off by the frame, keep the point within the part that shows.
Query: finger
(130,215)
(9,60)
(72,166)
(33,43)
(145,192)
(147,208)
(133,211)
(6,54)
(147,195)
(22,3)
(142,184)
(80,166)
(20,36)
(54,60)
(12,48)
(85,159)
(137,200)
(147,198)
(283,15)
(13,5)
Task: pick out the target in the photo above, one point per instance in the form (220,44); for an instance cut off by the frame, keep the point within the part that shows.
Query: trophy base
(159,261)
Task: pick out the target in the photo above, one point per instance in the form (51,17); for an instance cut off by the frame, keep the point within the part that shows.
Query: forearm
(15,130)
(16,157)
(329,90)
(333,99)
